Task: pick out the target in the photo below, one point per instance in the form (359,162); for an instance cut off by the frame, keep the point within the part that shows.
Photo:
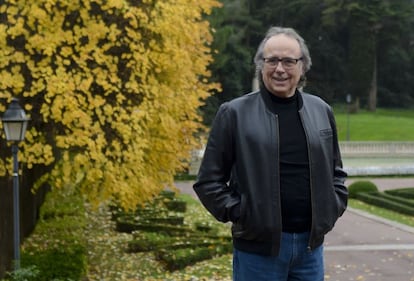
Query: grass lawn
(382,125)
(381,212)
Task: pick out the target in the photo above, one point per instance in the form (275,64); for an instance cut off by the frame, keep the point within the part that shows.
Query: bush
(397,199)
(407,193)
(64,263)
(159,228)
(56,250)
(377,199)
(123,224)
(361,187)
(182,257)
(23,274)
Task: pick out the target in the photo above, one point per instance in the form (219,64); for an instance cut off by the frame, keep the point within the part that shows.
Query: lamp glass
(15,130)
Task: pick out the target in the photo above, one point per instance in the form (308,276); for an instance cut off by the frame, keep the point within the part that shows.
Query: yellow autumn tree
(112,88)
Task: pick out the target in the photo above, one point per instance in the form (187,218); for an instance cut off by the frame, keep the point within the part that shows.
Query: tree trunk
(372,95)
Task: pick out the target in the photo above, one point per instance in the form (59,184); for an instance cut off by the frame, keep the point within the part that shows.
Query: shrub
(182,257)
(64,263)
(397,199)
(159,228)
(23,274)
(56,250)
(361,187)
(407,193)
(128,226)
(376,198)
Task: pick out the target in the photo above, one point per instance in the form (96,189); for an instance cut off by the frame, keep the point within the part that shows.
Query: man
(273,168)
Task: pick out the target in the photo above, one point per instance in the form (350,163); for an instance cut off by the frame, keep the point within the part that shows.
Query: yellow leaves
(10,80)
(116,4)
(38,15)
(118,92)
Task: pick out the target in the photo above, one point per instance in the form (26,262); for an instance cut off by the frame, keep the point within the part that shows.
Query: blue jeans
(294,262)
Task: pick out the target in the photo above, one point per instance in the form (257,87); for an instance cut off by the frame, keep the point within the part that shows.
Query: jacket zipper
(310,179)
(278,173)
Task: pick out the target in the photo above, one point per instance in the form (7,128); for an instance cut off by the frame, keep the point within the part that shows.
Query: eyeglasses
(287,63)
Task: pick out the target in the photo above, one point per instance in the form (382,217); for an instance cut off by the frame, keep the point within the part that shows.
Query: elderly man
(273,168)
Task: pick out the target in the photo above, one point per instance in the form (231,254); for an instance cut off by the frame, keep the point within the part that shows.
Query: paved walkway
(363,247)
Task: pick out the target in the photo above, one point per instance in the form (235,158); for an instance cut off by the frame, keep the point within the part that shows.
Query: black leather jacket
(238,180)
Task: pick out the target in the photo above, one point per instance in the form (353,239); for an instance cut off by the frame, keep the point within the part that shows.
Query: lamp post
(15,125)
(348,101)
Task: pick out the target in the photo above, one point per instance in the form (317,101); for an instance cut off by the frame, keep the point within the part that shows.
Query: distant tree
(355,46)
(368,24)
(326,77)
(233,58)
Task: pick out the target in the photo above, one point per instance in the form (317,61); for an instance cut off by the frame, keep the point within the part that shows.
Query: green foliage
(361,187)
(110,110)
(57,249)
(184,177)
(232,65)
(382,212)
(402,192)
(387,202)
(398,200)
(23,274)
(67,262)
(173,243)
(180,258)
(350,43)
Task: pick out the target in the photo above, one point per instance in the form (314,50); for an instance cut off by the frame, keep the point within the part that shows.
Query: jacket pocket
(243,228)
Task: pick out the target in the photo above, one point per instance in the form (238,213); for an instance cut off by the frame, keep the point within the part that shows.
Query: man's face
(281,78)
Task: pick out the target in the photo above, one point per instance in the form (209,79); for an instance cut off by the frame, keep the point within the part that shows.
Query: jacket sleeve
(339,173)
(211,185)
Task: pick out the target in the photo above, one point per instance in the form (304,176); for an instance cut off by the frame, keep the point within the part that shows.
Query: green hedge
(128,226)
(56,250)
(182,257)
(397,199)
(407,193)
(360,187)
(159,227)
(381,200)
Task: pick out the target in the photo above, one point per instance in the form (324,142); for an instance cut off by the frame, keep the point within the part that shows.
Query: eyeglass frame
(283,61)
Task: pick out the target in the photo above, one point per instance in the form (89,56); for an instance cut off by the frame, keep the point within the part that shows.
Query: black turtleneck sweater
(294,166)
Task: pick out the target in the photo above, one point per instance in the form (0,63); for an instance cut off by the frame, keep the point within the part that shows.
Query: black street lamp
(348,109)
(15,125)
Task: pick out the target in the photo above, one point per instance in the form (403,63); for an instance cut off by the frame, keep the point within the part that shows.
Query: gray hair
(290,32)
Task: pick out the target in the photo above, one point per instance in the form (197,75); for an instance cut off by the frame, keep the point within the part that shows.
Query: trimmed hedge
(387,202)
(159,228)
(361,187)
(182,257)
(397,199)
(407,193)
(123,224)
(56,250)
